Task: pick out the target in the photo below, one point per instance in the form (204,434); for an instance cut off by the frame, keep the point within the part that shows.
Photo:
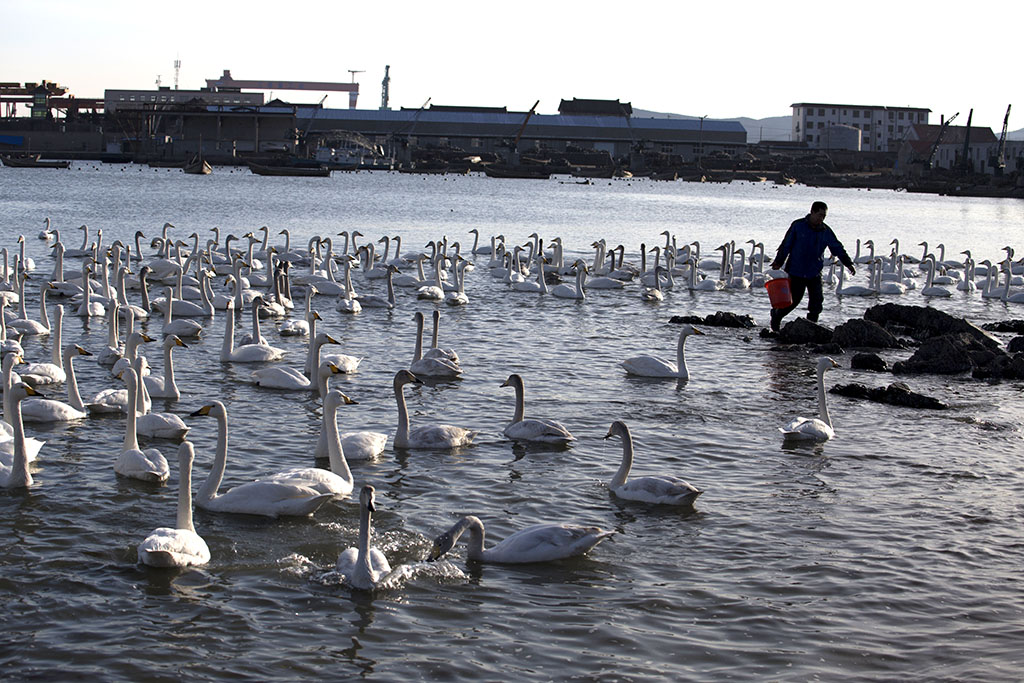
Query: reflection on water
(800,560)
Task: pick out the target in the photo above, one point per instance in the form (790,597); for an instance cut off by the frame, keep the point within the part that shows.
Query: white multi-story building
(138,99)
(882,128)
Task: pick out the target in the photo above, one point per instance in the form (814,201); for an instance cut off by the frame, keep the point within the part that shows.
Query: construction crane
(938,140)
(515,143)
(998,162)
(384,88)
(965,159)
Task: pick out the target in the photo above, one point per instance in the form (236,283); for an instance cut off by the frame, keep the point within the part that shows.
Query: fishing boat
(197,166)
(305,171)
(527,172)
(31,161)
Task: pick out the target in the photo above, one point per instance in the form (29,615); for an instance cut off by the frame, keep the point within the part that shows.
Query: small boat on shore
(197,166)
(30,161)
(527,172)
(304,171)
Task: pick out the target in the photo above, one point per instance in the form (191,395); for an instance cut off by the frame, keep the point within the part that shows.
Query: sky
(714,59)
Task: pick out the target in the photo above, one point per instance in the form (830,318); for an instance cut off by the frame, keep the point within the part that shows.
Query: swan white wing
(167,547)
(664,489)
(161,426)
(267,498)
(49,410)
(32,447)
(255,353)
(538,429)
(109,401)
(294,328)
(281,378)
(440,436)
(183,327)
(316,478)
(650,366)
(807,428)
(346,364)
(148,465)
(363,445)
(545,542)
(43,373)
(347,565)
(435,367)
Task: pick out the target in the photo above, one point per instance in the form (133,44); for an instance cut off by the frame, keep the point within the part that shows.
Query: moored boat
(306,171)
(31,161)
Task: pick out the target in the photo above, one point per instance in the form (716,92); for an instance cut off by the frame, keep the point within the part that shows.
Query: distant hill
(773,128)
(1015,134)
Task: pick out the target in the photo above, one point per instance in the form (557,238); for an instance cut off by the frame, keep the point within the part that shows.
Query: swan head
(174,340)
(688,329)
(21,390)
(403,377)
(617,428)
(513,380)
(368,496)
(826,363)
(80,351)
(336,398)
(214,409)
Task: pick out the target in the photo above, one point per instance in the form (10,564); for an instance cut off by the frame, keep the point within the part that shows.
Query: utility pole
(700,141)
(384,88)
(177,68)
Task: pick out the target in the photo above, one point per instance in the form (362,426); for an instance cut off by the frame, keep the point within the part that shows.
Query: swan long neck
(334,450)
(131,440)
(74,398)
(363,564)
(59,324)
(220,459)
(684,373)
(822,402)
(19,475)
(627,459)
(418,352)
(433,335)
(169,367)
(228,346)
(520,402)
(257,338)
(185,490)
(402,432)
(475,545)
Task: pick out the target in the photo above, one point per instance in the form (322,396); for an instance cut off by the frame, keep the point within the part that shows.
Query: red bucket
(778,292)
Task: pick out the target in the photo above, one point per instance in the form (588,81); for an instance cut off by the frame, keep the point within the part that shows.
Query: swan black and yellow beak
(82,352)
(205,410)
(32,392)
(348,401)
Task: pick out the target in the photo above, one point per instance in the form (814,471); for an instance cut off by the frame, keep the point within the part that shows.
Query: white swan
(133,462)
(436,365)
(290,379)
(654,293)
(248,353)
(29,327)
(338,480)
(266,498)
(364,566)
(16,475)
(165,386)
(930,288)
(7,443)
(179,546)
(655,366)
(853,290)
(53,372)
(659,488)
(566,291)
(434,351)
(532,429)
(51,410)
(181,327)
(814,428)
(537,543)
(424,436)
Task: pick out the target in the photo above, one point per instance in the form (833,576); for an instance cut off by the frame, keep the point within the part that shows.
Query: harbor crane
(938,140)
(998,162)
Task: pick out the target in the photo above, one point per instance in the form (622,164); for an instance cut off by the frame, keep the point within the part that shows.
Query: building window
(854,113)
(867,127)
(901,116)
(474,142)
(891,116)
(833,112)
(667,149)
(821,112)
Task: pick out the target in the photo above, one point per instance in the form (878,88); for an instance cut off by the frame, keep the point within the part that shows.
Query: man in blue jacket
(801,255)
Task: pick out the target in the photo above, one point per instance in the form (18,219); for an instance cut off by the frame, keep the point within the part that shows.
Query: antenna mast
(177,69)
(384,87)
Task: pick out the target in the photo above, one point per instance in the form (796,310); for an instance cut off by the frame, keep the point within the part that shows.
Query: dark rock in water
(862,334)
(803,331)
(1005,326)
(948,354)
(717,319)
(868,361)
(1002,367)
(1016,345)
(896,394)
(829,349)
(923,322)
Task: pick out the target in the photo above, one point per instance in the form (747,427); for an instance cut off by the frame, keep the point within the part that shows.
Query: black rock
(1005,326)
(868,361)
(922,322)
(717,319)
(864,334)
(1016,345)
(1002,367)
(803,331)
(948,354)
(897,394)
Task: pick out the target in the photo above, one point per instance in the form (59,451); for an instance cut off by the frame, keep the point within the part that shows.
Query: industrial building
(830,126)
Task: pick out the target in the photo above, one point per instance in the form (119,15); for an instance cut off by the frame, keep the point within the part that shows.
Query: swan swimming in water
(436,364)
(814,428)
(260,497)
(364,566)
(537,543)
(659,488)
(532,429)
(16,475)
(133,462)
(179,546)
(51,410)
(655,366)
(425,436)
